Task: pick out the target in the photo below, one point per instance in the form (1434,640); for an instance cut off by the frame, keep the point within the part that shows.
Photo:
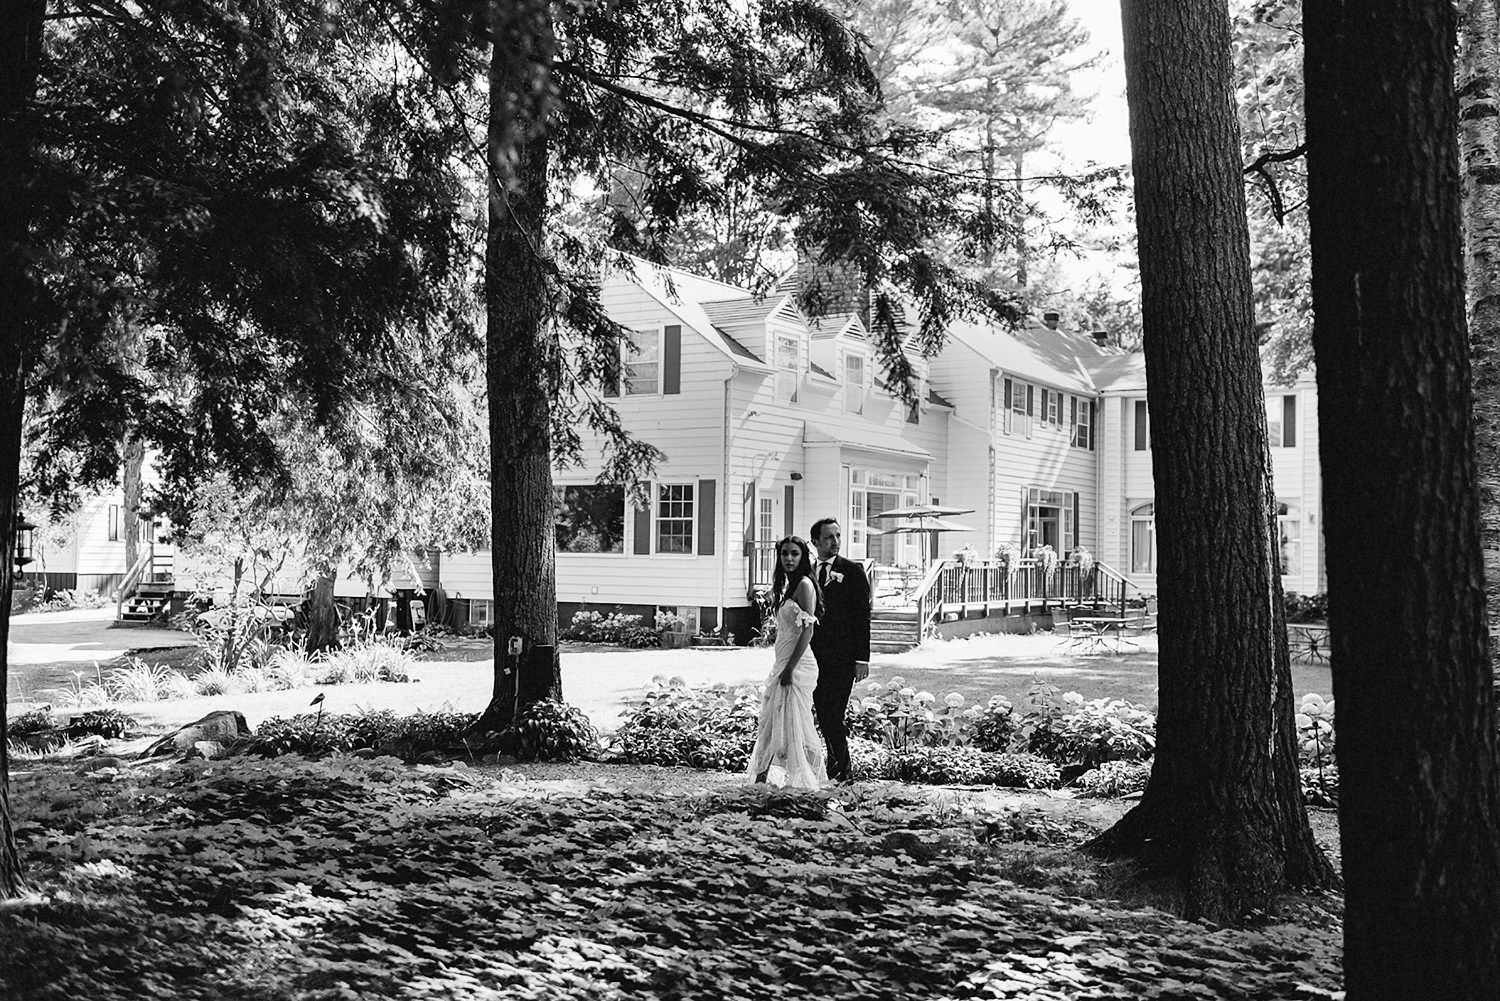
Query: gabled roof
(938,401)
(1119,373)
(826,328)
(684,294)
(1033,351)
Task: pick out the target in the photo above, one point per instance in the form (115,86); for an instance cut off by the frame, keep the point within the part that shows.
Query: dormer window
(788,368)
(854,383)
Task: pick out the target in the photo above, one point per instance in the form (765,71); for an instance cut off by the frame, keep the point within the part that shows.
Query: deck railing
(952,585)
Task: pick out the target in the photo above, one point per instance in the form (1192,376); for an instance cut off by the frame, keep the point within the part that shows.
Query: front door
(882,548)
(767,517)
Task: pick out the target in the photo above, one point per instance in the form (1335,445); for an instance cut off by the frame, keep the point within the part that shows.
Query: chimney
(1051,319)
(1101,338)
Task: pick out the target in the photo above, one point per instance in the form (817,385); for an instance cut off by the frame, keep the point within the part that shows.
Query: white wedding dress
(788,745)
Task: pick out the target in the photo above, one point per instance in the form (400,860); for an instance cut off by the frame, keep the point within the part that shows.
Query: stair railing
(929,596)
(132,578)
(1112,587)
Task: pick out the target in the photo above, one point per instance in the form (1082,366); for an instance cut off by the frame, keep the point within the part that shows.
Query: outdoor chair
(1144,622)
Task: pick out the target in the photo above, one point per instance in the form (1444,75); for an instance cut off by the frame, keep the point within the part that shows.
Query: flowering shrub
(1115,778)
(313,735)
(993,725)
(1315,736)
(900,717)
(1305,607)
(616,627)
(1079,735)
(702,728)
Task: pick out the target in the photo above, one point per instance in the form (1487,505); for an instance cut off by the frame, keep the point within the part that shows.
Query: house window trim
(1067,524)
(777,338)
(864,382)
(656,519)
(1019,406)
(624,526)
(661,363)
(114,526)
(1146,513)
(1080,411)
(1290,512)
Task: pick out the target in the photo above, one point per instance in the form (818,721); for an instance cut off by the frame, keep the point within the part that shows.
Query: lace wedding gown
(788,743)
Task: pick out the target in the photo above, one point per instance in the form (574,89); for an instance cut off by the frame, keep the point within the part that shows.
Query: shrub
(1320,786)
(66,599)
(870,760)
(101,722)
(994,725)
(703,728)
(1078,735)
(308,734)
(616,627)
(902,717)
(1305,607)
(971,766)
(379,661)
(35,720)
(1315,732)
(1115,778)
(215,681)
(551,731)
(410,737)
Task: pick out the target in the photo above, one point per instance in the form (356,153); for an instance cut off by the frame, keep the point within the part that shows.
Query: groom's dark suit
(841,638)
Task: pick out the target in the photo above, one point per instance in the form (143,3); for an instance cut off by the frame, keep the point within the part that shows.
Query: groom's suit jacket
(842,636)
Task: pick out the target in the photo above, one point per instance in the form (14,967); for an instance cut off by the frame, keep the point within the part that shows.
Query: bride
(787,738)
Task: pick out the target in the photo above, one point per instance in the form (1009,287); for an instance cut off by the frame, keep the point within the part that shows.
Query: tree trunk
(521,352)
(1221,826)
(20,50)
(1419,807)
(134,453)
(1479,141)
(322,611)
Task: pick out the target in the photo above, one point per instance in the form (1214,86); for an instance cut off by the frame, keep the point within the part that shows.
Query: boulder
(210,749)
(94,764)
(223,726)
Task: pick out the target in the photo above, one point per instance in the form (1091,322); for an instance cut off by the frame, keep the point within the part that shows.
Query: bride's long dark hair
(784,585)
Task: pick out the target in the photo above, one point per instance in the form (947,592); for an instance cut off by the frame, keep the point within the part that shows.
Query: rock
(210,749)
(223,726)
(94,764)
(365,752)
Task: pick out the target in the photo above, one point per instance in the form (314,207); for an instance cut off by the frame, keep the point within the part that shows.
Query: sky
(1105,138)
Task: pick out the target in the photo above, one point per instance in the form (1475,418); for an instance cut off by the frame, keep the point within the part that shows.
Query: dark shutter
(1289,421)
(1073,420)
(747,501)
(706,516)
(1029,399)
(1006,416)
(1141,441)
(1093,425)
(643,528)
(789,511)
(1077,528)
(671,364)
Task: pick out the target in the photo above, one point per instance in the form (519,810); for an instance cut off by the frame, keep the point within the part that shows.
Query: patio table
(1097,634)
(1308,642)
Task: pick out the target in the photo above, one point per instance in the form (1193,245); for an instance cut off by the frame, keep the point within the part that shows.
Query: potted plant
(672,629)
(966,556)
(1086,563)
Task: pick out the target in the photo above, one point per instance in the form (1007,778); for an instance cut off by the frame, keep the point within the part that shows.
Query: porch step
(893,630)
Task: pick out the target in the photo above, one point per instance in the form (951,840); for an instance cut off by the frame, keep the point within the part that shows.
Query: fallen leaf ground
(288,879)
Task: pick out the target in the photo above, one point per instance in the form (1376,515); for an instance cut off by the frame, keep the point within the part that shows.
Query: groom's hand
(861,670)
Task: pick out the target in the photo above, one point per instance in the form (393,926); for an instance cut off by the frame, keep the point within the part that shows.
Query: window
(674,518)
(1142,427)
(114,523)
(1053,407)
(1289,531)
(1082,412)
(481,611)
(589,518)
(788,364)
(1143,539)
(1020,408)
(642,363)
(854,383)
(1281,421)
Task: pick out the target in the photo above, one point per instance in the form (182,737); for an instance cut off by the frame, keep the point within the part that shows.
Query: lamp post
(24,543)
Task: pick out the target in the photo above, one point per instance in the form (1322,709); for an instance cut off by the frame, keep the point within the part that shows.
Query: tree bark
(322,610)
(20,51)
(134,453)
(521,352)
(1420,803)
(1221,826)
(1479,143)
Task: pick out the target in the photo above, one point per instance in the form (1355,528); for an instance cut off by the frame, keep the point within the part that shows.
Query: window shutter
(1008,389)
(747,503)
(1141,417)
(789,511)
(1289,421)
(1073,416)
(1029,399)
(671,366)
(1077,528)
(643,529)
(706,516)
(1093,426)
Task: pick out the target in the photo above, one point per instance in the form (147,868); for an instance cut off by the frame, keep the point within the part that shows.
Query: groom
(841,642)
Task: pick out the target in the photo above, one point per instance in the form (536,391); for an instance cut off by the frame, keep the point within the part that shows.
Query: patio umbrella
(925,525)
(924,511)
